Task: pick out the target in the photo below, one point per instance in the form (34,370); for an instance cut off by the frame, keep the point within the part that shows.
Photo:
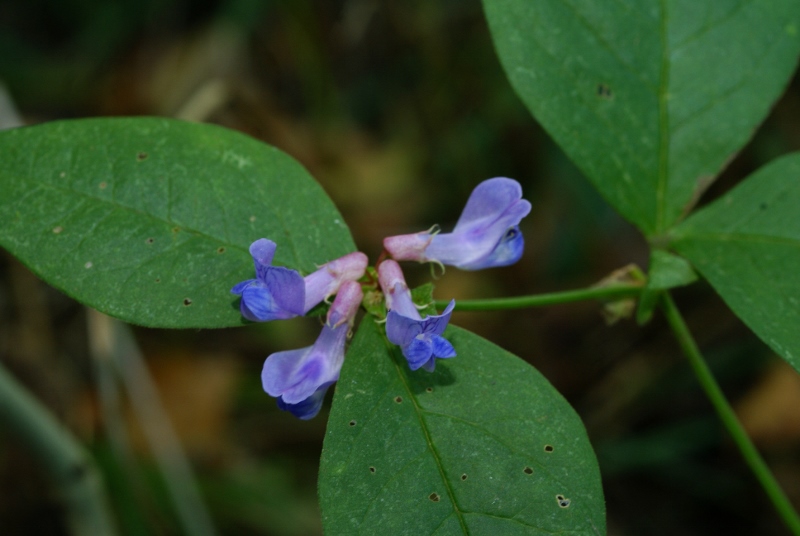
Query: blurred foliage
(398,109)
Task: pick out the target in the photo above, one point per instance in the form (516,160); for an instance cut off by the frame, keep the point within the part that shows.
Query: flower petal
(239,287)
(279,295)
(490,198)
(263,251)
(508,251)
(278,373)
(294,375)
(442,347)
(308,408)
(418,352)
(436,324)
(401,330)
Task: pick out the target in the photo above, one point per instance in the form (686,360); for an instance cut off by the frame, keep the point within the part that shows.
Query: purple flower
(275,293)
(308,408)
(486,235)
(279,293)
(419,338)
(299,378)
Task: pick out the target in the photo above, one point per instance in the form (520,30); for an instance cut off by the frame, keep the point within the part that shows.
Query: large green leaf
(747,244)
(650,98)
(150,220)
(485,445)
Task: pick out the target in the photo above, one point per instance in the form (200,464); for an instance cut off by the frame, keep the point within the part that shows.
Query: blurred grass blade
(114,340)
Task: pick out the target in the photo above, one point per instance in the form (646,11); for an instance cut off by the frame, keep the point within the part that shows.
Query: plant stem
(610,292)
(728,417)
(69,466)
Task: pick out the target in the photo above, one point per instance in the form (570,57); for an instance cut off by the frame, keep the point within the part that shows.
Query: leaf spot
(398,399)
(562,501)
(352,423)
(464,476)
(548,448)
(372,470)
(603,91)
(187,302)
(88,265)
(158,280)
(763,206)
(252,219)
(141,156)
(62,174)
(434,497)
(57,230)
(176,229)
(238,160)
(528,471)
(221,249)
(150,240)
(103,185)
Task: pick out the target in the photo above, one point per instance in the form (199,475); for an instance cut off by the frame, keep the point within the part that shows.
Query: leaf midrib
(663,124)
(393,350)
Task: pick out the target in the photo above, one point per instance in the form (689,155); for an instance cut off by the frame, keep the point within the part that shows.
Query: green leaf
(747,244)
(484,445)
(669,271)
(649,98)
(150,220)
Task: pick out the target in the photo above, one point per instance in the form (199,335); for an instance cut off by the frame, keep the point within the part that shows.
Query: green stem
(611,292)
(728,417)
(69,466)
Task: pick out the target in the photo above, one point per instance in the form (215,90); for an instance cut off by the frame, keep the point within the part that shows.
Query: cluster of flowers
(486,235)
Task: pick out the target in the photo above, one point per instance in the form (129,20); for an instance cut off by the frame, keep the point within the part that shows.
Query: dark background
(399,109)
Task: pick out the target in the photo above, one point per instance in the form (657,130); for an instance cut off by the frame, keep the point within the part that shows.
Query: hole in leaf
(372,469)
(103,185)
(562,501)
(220,249)
(434,497)
(548,448)
(352,423)
(57,230)
(528,471)
(603,91)
(464,476)
(141,156)
(398,399)
(187,302)
(150,240)
(429,390)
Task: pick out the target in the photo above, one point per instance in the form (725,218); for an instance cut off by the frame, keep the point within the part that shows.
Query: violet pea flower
(300,378)
(275,293)
(486,235)
(280,293)
(419,338)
